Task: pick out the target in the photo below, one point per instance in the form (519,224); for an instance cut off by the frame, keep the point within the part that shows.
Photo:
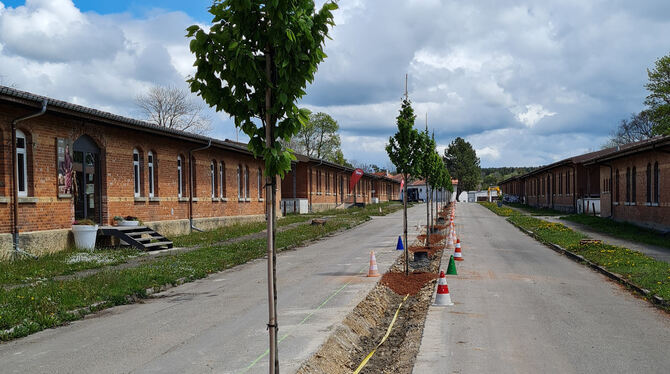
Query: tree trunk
(427,215)
(404,224)
(269,206)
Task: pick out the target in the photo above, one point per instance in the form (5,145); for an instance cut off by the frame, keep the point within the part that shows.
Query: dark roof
(633,148)
(27,98)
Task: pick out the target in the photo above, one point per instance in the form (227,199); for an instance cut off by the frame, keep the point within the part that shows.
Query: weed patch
(621,230)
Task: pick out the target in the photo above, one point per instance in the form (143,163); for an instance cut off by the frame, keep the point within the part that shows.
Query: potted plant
(128,221)
(85,231)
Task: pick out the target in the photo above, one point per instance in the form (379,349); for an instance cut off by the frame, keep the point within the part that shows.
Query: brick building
(316,185)
(121,167)
(635,183)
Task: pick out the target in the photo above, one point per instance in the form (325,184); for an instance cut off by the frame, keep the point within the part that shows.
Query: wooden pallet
(140,237)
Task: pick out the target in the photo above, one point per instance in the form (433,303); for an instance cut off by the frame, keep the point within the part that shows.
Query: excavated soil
(364,327)
(432,250)
(407,284)
(434,238)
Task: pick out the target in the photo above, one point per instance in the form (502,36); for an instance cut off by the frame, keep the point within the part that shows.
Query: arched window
(222,180)
(150,169)
(246,182)
(567,183)
(657,183)
(240,190)
(616,186)
(260,183)
(633,194)
(21,164)
(136,172)
(212,177)
(628,185)
(649,183)
(180,177)
(193,172)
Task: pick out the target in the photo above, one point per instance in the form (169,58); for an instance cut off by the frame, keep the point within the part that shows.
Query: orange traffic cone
(442,297)
(373,272)
(458,255)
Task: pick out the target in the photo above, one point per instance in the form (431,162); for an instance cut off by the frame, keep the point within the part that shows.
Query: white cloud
(489,153)
(533,114)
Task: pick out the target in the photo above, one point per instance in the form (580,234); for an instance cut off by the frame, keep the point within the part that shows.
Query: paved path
(659,253)
(217,324)
(522,308)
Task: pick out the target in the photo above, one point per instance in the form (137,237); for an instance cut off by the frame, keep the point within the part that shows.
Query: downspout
(15,185)
(190,184)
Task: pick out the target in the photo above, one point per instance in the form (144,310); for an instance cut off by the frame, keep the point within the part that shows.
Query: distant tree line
(493,176)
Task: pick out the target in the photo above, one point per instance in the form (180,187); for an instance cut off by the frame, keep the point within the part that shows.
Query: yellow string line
(388,332)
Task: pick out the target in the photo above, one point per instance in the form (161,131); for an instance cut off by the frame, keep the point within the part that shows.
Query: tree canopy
(658,100)
(318,138)
(254,62)
(403,147)
(171,107)
(638,127)
(463,164)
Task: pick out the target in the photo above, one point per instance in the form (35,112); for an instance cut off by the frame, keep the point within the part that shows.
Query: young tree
(403,150)
(658,99)
(254,63)
(463,164)
(171,107)
(425,169)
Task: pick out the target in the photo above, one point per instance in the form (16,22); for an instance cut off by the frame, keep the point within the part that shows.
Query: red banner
(355,177)
(402,184)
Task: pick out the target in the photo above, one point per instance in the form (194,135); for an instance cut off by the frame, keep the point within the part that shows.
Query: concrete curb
(654,299)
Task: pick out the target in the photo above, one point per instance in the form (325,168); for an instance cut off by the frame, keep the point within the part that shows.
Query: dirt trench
(364,327)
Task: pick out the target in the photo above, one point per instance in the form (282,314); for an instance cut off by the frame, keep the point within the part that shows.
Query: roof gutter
(190,184)
(15,185)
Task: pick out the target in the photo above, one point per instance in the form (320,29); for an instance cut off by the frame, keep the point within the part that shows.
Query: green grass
(28,270)
(48,304)
(621,230)
(217,235)
(638,268)
(501,211)
(536,211)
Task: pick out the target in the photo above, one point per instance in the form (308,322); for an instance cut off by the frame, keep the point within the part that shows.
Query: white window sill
(183,199)
(224,199)
(654,204)
(247,199)
(140,199)
(4,200)
(215,199)
(240,199)
(615,203)
(154,199)
(261,199)
(647,204)
(633,204)
(195,199)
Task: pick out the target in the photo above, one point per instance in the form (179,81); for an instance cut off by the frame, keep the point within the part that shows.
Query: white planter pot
(128,223)
(84,236)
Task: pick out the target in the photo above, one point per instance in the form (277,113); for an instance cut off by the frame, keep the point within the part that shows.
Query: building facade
(77,163)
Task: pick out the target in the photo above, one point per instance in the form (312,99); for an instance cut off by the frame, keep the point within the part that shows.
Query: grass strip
(640,269)
(50,303)
(501,211)
(536,211)
(622,230)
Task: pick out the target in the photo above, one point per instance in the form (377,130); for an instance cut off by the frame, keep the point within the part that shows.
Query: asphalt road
(217,325)
(522,308)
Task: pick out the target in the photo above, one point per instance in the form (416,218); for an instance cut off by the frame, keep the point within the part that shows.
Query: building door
(86,164)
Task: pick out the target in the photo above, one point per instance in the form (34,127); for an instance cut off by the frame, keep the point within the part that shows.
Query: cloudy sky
(527,83)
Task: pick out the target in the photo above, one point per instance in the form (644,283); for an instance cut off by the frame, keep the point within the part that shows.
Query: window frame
(137,185)
(21,167)
(180,176)
(151,171)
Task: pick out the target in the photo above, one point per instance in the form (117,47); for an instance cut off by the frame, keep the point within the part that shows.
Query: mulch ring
(403,285)
(431,250)
(434,238)
(440,227)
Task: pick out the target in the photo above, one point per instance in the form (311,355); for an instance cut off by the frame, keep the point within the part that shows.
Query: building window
(150,169)
(246,182)
(649,183)
(628,185)
(240,192)
(21,164)
(212,177)
(136,171)
(222,180)
(260,183)
(567,183)
(633,182)
(180,178)
(657,183)
(616,186)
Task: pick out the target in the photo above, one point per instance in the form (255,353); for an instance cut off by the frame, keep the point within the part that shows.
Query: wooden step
(158,244)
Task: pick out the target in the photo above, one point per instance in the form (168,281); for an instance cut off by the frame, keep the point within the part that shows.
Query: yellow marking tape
(388,332)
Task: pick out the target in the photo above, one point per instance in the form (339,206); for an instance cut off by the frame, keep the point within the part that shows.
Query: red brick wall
(641,212)
(116,145)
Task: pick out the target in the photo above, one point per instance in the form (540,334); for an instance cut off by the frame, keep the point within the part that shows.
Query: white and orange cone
(458,255)
(442,297)
(374,271)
